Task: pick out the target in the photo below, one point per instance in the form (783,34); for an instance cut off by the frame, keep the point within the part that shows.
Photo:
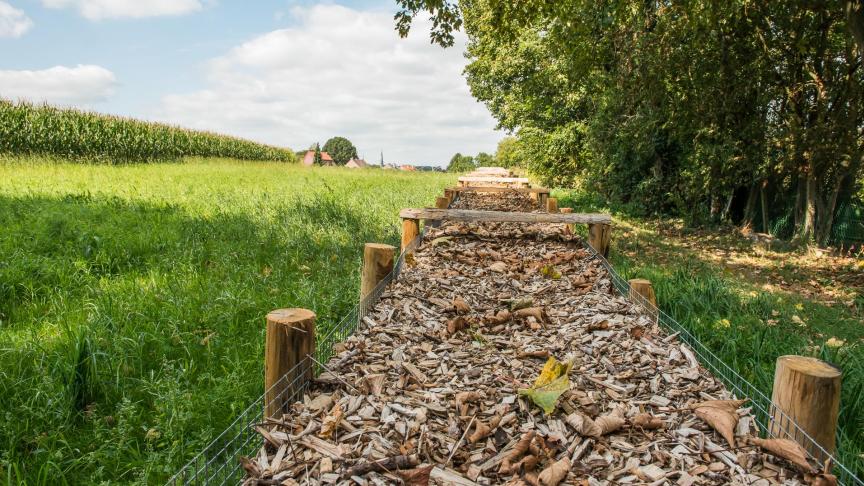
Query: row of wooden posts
(806,390)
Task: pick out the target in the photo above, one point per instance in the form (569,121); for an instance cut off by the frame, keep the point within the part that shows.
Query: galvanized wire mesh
(218,463)
(772,422)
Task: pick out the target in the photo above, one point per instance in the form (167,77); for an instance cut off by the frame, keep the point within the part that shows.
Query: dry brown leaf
(483,430)
(555,473)
(535,312)
(785,449)
(456,324)
(722,415)
(499,267)
(373,384)
(647,421)
(583,425)
(598,326)
(611,422)
(418,476)
(513,456)
(331,422)
(461,306)
(500,317)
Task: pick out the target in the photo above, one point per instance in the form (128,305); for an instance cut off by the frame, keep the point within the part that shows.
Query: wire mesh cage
(772,422)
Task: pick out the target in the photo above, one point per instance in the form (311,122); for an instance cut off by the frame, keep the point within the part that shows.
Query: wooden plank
(495,180)
(502,216)
(536,190)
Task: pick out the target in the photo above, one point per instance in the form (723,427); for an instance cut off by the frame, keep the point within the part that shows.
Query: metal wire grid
(772,421)
(218,463)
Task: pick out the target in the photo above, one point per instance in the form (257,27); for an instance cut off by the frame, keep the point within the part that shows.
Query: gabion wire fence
(772,422)
(218,463)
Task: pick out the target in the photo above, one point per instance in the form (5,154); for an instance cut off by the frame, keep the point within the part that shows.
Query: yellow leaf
(552,382)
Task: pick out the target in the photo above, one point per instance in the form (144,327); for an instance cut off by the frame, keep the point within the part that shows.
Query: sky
(282,72)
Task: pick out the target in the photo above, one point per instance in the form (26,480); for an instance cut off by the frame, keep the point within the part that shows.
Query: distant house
(356,164)
(407,167)
(309,158)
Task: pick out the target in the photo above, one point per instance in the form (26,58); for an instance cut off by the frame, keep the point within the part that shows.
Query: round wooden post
(807,391)
(640,286)
(568,229)
(377,264)
(442,202)
(410,230)
(544,196)
(290,338)
(599,236)
(551,205)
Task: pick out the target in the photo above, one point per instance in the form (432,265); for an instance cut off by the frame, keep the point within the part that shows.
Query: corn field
(38,129)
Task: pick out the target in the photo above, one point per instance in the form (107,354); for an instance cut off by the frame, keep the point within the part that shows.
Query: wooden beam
(290,338)
(494,180)
(501,216)
(807,391)
(534,190)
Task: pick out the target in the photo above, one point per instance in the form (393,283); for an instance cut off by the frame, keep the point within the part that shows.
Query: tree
(341,150)
(316,159)
(484,160)
(717,111)
(461,163)
(507,155)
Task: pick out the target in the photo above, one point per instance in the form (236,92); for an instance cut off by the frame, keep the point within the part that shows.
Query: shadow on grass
(745,325)
(132,333)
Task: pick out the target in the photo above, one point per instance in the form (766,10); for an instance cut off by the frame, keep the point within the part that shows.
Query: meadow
(132,299)
(750,303)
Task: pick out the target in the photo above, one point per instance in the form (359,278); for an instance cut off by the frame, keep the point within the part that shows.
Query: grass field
(132,299)
(750,304)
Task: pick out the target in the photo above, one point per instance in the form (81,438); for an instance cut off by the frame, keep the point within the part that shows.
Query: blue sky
(288,73)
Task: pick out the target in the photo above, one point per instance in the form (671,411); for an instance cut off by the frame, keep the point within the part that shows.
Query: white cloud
(82,84)
(113,9)
(13,22)
(344,72)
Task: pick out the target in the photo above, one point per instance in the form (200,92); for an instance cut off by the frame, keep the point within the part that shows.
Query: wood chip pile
(428,390)
(500,201)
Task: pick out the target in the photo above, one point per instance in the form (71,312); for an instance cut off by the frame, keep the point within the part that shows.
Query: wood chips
(426,392)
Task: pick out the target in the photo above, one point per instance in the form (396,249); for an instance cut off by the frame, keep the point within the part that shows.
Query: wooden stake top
(810,366)
(290,316)
(639,281)
(380,246)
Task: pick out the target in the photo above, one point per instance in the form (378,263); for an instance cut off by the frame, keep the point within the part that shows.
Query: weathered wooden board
(526,190)
(494,180)
(468,215)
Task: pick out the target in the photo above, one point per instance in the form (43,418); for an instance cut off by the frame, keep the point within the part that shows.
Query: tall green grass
(744,324)
(132,299)
(38,129)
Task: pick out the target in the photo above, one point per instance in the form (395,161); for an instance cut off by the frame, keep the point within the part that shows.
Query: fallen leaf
(549,271)
(499,267)
(456,324)
(555,473)
(785,449)
(721,415)
(416,477)
(535,312)
(440,240)
(552,382)
(500,317)
(521,303)
(461,306)
(647,421)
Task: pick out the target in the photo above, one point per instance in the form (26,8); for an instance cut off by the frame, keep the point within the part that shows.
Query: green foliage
(316,158)
(340,149)
(696,109)
(484,160)
(508,154)
(461,163)
(28,129)
(132,299)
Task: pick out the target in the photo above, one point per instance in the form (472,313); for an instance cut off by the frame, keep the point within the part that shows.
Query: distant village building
(309,158)
(407,167)
(356,164)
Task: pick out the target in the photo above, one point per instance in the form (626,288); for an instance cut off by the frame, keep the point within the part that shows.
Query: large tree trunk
(855,23)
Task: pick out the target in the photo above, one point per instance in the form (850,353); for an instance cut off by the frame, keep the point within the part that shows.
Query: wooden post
(290,338)
(544,196)
(551,205)
(442,202)
(410,230)
(807,391)
(640,286)
(599,236)
(448,193)
(568,229)
(377,264)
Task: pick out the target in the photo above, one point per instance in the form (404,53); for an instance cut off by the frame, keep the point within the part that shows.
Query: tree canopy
(461,163)
(341,150)
(751,112)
